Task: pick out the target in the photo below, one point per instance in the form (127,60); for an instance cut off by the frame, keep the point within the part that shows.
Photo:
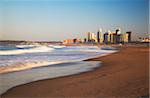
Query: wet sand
(122,74)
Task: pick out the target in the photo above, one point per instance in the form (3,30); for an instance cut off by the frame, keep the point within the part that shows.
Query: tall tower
(109,36)
(99,35)
(118,35)
(106,37)
(129,36)
(89,36)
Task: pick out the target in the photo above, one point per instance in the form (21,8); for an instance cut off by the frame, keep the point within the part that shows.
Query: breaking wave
(26,49)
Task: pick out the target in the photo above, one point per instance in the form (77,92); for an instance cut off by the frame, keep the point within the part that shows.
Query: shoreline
(83,80)
(28,66)
(43,73)
(33,69)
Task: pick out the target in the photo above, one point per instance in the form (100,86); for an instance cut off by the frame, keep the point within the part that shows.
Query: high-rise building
(109,36)
(125,38)
(106,37)
(68,41)
(99,35)
(129,36)
(118,35)
(89,36)
(92,37)
(118,38)
(112,37)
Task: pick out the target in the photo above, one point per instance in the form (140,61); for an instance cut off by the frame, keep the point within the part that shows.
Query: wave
(34,64)
(49,56)
(22,66)
(62,62)
(25,46)
(56,46)
(61,56)
(28,50)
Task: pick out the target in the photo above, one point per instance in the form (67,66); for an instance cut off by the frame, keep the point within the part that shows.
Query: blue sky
(53,20)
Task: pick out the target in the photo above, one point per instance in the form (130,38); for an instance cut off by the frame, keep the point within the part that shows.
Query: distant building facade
(146,39)
(73,41)
(68,41)
(129,36)
(112,37)
(108,37)
(91,37)
(99,36)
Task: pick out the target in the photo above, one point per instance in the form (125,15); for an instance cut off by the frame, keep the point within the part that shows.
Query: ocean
(20,64)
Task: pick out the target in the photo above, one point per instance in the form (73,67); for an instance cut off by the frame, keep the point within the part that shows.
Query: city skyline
(50,20)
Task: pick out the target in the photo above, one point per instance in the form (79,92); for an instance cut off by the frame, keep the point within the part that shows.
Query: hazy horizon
(49,20)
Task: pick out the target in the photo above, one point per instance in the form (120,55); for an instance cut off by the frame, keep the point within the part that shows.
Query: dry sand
(123,74)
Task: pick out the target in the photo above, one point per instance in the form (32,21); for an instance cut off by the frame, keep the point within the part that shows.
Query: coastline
(115,78)
(38,73)
(30,65)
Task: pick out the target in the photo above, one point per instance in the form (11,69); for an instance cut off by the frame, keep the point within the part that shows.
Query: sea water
(20,64)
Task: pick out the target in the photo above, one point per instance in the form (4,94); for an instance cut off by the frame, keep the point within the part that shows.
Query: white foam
(66,54)
(51,56)
(56,46)
(23,66)
(25,46)
(31,50)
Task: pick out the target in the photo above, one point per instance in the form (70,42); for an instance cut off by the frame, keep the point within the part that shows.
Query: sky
(56,20)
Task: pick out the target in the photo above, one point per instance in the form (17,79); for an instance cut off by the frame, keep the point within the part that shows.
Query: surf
(30,49)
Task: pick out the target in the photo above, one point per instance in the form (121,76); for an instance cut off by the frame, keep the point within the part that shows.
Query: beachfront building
(109,36)
(106,38)
(68,41)
(145,40)
(91,37)
(125,38)
(79,40)
(118,36)
(99,36)
(129,36)
(112,37)
(73,41)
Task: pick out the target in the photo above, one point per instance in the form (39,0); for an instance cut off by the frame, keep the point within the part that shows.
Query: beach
(122,74)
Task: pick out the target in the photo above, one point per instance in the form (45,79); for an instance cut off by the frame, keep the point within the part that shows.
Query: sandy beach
(122,74)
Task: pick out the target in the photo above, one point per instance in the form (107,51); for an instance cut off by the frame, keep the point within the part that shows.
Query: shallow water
(22,64)
(13,79)
(29,56)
